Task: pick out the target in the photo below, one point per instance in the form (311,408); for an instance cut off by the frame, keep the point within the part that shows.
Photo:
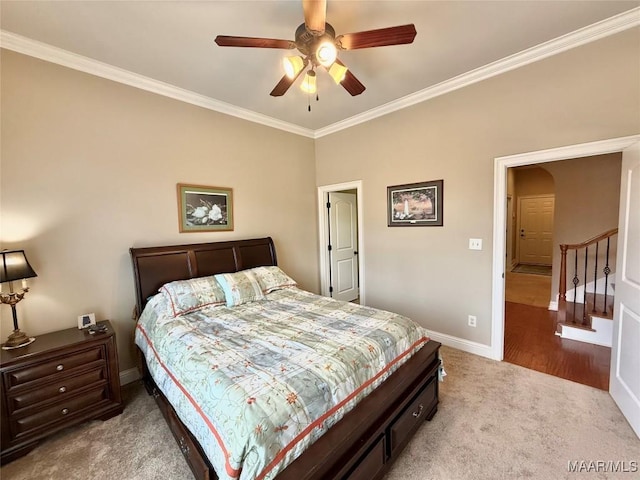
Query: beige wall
(585,94)
(533,181)
(89,169)
(587,203)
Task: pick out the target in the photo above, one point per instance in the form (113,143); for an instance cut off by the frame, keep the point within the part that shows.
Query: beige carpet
(495,421)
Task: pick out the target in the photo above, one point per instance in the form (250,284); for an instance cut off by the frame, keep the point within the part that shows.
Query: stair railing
(606,270)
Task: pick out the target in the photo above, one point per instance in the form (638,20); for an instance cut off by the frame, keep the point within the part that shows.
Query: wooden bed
(362,445)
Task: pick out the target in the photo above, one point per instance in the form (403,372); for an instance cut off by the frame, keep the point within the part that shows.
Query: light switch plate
(475,244)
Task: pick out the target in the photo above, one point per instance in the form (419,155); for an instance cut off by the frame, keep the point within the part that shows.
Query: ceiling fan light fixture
(337,72)
(293,65)
(326,53)
(309,83)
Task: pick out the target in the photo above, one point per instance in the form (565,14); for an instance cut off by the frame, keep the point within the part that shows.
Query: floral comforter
(258,383)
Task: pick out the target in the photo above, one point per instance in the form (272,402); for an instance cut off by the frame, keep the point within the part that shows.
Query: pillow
(240,287)
(189,295)
(272,278)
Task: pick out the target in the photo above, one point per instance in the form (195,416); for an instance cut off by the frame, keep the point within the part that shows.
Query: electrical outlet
(472,320)
(475,244)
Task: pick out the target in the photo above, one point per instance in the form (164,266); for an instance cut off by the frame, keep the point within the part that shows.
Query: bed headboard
(155,266)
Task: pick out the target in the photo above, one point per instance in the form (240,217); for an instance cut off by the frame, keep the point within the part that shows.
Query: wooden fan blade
(378,38)
(284,84)
(227,41)
(315,15)
(350,83)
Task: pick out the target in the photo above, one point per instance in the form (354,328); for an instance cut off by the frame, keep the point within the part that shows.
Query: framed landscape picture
(205,209)
(415,204)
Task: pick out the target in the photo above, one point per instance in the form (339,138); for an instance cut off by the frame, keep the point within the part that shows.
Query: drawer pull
(62,389)
(419,412)
(184,448)
(65,411)
(60,367)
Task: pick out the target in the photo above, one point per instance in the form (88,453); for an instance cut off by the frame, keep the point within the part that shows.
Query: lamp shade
(337,72)
(309,83)
(293,66)
(14,266)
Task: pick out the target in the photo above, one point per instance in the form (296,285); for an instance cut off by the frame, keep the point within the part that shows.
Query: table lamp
(15,266)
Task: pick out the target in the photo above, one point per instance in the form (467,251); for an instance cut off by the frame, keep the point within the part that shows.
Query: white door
(535,229)
(343,238)
(624,383)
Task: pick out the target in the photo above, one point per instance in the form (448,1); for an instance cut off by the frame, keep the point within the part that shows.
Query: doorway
(341,251)
(502,164)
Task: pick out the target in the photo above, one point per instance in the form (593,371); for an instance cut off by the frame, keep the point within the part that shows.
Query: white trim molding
(582,36)
(501,165)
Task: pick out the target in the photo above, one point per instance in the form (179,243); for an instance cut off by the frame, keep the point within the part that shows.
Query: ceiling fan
(316,40)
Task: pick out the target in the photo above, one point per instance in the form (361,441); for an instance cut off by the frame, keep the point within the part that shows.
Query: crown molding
(43,51)
(590,33)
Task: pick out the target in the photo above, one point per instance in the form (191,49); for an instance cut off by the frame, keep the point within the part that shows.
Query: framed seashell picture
(204,209)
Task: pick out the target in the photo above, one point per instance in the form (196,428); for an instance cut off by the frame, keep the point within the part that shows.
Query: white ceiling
(172,42)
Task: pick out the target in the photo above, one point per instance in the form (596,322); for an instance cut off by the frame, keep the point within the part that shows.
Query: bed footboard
(361,446)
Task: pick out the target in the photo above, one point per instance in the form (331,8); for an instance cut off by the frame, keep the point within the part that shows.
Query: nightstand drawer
(60,412)
(62,388)
(53,366)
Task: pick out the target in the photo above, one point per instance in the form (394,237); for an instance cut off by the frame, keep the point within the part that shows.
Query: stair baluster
(606,272)
(584,293)
(595,276)
(576,280)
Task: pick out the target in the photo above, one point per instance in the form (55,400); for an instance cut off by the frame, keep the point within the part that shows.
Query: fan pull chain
(309,100)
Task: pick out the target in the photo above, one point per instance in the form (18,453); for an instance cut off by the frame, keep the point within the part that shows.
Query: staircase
(585,313)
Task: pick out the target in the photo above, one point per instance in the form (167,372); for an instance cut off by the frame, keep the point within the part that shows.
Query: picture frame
(86,320)
(204,209)
(415,204)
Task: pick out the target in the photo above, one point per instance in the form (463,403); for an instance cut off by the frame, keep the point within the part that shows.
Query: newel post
(563,272)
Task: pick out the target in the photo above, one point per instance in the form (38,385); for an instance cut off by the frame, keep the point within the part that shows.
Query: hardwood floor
(530,342)
(528,289)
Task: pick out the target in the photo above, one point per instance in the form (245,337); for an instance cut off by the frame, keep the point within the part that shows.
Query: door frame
(501,164)
(323,234)
(510,254)
(519,219)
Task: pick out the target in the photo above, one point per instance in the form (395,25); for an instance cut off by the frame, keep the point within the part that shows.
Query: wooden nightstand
(61,379)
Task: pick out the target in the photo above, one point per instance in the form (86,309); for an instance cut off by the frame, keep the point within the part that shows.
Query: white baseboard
(129,376)
(462,344)
(553,306)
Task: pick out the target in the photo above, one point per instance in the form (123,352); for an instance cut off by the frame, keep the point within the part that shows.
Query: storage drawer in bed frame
(364,444)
